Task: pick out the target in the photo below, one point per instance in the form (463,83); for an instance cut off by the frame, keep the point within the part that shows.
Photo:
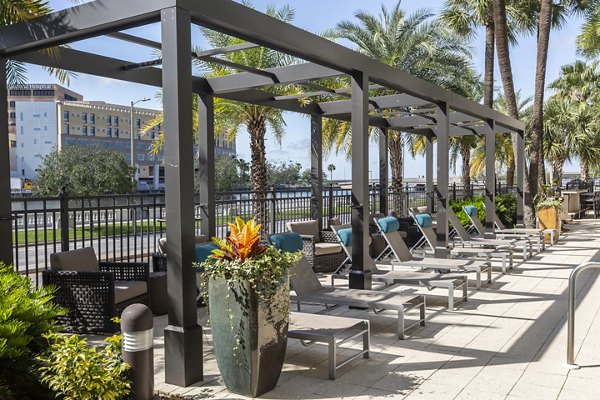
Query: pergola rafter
(446,114)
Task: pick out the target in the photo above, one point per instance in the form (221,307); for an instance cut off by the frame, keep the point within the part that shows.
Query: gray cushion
(125,290)
(322,249)
(162,242)
(305,228)
(80,260)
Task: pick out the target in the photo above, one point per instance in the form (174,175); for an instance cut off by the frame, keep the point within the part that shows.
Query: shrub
(26,314)
(506,209)
(77,371)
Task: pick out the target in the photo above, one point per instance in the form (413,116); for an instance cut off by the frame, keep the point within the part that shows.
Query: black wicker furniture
(321,248)
(159,259)
(94,292)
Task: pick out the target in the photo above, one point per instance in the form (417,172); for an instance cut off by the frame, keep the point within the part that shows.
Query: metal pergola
(415,107)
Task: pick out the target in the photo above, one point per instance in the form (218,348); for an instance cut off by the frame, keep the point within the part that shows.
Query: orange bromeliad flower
(242,243)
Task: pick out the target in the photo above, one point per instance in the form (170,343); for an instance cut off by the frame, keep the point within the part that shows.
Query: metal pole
(442,132)
(490,175)
(6,248)
(429,174)
(132,148)
(571,311)
(316,169)
(520,167)
(383,171)
(206,163)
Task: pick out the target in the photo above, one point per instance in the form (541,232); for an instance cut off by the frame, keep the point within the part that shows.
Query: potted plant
(549,210)
(248,297)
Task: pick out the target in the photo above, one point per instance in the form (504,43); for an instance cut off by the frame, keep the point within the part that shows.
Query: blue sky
(315,16)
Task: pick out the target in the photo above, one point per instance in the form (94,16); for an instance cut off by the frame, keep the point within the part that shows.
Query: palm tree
(415,43)
(588,42)
(331,168)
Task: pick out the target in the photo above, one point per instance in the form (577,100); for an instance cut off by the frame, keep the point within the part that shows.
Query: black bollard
(137,327)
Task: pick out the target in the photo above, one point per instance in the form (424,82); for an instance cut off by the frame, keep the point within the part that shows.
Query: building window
(92,119)
(116,132)
(43,92)
(84,130)
(108,120)
(11,104)
(109,132)
(138,123)
(19,92)
(21,116)
(13,115)
(116,120)
(92,131)
(66,129)
(141,157)
(84,118)
(34,141)
(70,98)
(65,115)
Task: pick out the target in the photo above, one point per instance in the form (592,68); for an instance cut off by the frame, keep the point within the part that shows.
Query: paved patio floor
(507,342)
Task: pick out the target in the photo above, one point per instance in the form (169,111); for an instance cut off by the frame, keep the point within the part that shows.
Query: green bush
(26,314)
(506,209)
(74,370)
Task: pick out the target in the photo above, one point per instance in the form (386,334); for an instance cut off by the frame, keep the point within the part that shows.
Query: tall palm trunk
(537,130)
(257,129)
(488,75)
(557,169)
(502,47)
(584,170)
(510,171)
(465,155)
(395,150)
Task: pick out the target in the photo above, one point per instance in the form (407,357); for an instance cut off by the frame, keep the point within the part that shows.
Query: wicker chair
(94,292)
(322,249)
(159,259)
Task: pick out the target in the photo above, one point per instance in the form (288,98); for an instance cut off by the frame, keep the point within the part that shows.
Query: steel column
(206,163)
(183,336)
(359,277)
(520,168)
(6,248)
(490,175)
(429,174)
(316,169)
(383,171)
(443,167)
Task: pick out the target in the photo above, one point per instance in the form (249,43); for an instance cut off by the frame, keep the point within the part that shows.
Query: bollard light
(137,327)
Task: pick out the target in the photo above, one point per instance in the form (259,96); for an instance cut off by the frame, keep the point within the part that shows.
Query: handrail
(571,310)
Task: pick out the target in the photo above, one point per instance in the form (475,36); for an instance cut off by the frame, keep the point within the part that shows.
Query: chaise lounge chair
(430,280)
(401,255)
(531,231)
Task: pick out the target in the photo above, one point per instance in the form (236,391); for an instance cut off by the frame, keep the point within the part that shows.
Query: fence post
(454,191)
(274,208)
(64,219)
(330,202)
(407,200)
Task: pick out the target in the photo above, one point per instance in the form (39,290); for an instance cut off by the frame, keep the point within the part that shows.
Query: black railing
(127,227)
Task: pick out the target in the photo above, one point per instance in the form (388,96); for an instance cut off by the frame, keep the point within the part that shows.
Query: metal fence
(127,227)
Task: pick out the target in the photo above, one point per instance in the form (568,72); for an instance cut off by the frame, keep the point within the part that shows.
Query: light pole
(133,163)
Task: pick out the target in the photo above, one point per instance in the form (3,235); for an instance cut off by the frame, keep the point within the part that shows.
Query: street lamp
(133,163)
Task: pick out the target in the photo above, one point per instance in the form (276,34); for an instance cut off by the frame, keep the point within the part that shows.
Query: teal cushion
(424,220)
(389,224)
(203,251)
(345,236)
(471,210)
(288,242)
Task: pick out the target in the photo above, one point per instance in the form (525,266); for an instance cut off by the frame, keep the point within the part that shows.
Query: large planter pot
(549,218)
(249,334)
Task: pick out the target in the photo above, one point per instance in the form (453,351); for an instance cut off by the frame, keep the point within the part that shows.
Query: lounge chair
(428,279)
(320,247)
(429,238)
(401,255)
(532,231)
(308,289)
(472,211)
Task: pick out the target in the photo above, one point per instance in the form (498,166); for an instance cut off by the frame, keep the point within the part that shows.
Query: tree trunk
(396,161)
(258,171)
(557,171)
(488,76)
(502,47)
(584,170)
(465,154)
(510,171)
(537,130)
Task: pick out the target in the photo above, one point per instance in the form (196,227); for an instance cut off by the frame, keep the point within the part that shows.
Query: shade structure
(377,95)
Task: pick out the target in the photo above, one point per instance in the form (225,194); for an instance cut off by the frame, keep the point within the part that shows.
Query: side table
(158,292)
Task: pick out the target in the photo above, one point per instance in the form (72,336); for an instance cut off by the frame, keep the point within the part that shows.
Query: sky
(314,16)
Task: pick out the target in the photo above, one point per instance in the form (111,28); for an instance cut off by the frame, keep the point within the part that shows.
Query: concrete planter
(549,218)
(249,334)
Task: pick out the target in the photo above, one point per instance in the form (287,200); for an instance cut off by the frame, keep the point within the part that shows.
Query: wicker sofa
(159,259)
(321,248)
(94,292)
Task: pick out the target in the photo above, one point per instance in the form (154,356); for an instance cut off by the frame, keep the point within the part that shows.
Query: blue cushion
(345,236)
(389,224)
(424,220)
(289,242)
(203,251)
(471,210)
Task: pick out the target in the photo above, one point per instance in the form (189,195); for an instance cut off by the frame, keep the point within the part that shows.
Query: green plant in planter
(74,370)
(248,298)
(548,202)
(26,314)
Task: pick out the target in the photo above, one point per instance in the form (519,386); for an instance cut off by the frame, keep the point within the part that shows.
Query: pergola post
(443,166)
(206,163)
(490,174)
(359,277)
(429,174)
(6,250)
(316,169)
(183,335)
(520,168)
(383,171)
